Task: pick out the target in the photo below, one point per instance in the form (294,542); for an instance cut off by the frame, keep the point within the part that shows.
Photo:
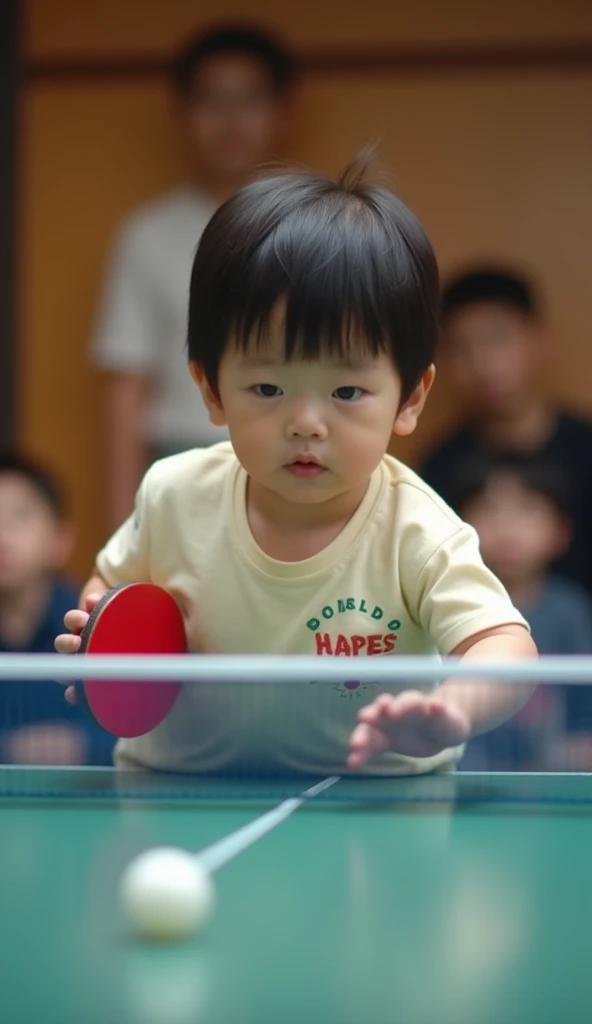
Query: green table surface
(445,900)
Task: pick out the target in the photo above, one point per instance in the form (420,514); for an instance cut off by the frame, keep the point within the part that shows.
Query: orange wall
(495,164)
(137,26)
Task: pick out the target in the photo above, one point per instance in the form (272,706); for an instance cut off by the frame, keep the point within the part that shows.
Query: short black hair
(537,473)
(46,485)
(490,284)
(349,259)
(234,39)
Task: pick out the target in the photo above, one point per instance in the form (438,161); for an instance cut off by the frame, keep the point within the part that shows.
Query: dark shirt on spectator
(24,703)
(561,624)
(570,445)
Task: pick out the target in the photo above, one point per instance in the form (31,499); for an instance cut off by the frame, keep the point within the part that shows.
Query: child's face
(32,540)
(340,417)
(520,531)
(492,353)
(232,119)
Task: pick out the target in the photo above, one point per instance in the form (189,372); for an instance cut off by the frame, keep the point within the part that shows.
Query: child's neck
(525,592)
(527,428)
(21,611)
(291,532)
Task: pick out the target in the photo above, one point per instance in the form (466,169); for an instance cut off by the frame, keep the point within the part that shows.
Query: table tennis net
(40,730)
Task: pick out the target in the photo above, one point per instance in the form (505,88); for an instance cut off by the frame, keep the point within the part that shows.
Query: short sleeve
(126,556)
(128,328)
(456,596)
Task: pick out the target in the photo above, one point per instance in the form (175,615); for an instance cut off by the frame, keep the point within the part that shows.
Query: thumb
(91,601)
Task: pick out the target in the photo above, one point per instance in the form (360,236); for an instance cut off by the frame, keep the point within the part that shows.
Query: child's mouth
(305,470)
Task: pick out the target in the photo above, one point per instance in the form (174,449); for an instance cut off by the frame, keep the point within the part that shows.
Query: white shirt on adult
(142,321)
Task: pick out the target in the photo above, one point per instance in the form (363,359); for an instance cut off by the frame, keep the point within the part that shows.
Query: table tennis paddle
(136,618)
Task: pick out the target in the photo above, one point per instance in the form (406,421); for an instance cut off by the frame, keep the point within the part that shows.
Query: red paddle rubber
(135,618)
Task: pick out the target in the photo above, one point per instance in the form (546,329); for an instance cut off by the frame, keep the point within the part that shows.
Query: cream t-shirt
(404,577)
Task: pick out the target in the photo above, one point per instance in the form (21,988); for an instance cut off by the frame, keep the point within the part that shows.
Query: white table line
(226,849)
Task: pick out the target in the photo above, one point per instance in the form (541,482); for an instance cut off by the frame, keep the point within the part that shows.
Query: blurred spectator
(37,726)
(494,343)
(232,90)
(519,505)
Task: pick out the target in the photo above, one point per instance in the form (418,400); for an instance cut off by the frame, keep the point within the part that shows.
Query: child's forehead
(256,360)
(485,314)
(17,488)
(270,351)
(11,481)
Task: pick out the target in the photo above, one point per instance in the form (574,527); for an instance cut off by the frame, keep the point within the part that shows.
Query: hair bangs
(313,283)
(341,270)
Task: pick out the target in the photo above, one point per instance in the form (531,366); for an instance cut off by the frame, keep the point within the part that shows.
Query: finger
(71,695)
(366,743)
(372,713)
(435,707)
(67,643)
(92,600)
(75,620)
(411,706)
(393,707)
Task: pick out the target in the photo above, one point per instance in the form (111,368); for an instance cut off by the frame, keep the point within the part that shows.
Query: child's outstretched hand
(411,723)
(69,643)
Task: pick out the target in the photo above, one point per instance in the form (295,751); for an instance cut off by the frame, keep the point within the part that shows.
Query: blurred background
(481,116)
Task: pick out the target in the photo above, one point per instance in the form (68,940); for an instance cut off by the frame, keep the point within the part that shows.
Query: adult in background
(232,88)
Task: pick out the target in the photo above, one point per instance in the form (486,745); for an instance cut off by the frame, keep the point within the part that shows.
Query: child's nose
(306,421)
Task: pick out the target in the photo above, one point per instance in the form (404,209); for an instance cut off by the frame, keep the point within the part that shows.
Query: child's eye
(348,394)
(267,390)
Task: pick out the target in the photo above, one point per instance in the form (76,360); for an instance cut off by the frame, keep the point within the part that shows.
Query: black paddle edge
(85,636)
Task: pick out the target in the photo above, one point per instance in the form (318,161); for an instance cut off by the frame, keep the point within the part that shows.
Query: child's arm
(422,724)
(485,703)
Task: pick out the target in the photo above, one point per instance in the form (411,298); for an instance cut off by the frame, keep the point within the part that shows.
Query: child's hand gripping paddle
(137,618)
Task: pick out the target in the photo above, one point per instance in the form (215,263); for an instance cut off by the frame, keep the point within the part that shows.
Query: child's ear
(410,412)
(212,400)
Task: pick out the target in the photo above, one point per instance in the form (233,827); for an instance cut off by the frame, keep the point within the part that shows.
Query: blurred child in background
(494,346)
(520,507)
(36,724)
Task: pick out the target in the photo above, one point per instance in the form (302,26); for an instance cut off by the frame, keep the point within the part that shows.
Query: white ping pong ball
(166,894)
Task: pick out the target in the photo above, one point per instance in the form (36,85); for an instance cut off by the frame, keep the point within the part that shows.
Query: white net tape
(273,669)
